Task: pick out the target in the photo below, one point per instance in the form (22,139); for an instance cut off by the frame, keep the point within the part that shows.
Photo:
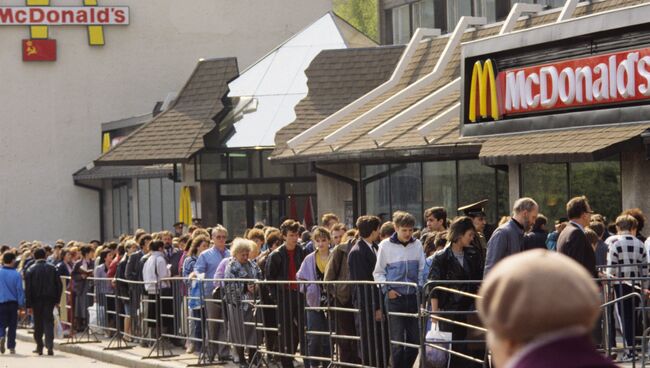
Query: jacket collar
(393,239)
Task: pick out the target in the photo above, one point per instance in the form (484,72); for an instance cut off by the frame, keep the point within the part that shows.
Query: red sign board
(39,50)
(597,80)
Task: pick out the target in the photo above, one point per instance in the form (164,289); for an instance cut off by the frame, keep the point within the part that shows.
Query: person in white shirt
(155,269)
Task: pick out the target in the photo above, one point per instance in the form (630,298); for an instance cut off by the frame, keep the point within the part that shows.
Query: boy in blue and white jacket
(401,259)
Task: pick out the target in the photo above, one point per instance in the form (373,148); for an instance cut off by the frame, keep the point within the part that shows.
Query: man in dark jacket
(42,291)
(282,265)
(572,241)
(536,238)
(370,321)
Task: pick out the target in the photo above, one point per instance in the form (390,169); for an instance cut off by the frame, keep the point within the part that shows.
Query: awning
(176,134)
(93,175)
(580,144)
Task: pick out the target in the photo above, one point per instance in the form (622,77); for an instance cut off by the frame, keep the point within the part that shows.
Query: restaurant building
(409,143)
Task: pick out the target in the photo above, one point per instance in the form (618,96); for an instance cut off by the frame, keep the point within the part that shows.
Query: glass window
(239,164)
(155,192)
(213,166)
(600,182)
(296,206)
(168,204)
(125,216)
(455,10)
(406,189)
(273,170)
(267,212)
(300,188)
(143,204)
(401,25)
(427,14)
(377,191)
(303,170)
(503,194)
(259,189)
(546,184)
(475,183)
(234,218)
(232,189)
(439,184)
(116,212)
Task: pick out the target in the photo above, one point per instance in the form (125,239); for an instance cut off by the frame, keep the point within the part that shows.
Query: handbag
(437,358)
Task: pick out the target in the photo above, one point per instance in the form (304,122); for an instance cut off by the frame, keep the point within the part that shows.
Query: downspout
(101,207)
(353,183)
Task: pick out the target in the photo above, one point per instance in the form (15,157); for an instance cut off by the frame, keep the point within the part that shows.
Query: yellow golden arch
(95,33)
(483,79)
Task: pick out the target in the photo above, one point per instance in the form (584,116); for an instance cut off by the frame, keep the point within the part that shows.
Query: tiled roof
(177,133)
(580,144)
(336,78)
(117,172)
(358,143)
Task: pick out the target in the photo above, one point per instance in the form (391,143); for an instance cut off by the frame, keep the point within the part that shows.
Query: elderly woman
(239,296)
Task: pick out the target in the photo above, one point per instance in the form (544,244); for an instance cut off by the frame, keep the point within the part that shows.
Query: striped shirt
(625,249)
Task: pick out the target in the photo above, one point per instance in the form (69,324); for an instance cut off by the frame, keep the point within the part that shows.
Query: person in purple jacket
(313,269)
(539,308)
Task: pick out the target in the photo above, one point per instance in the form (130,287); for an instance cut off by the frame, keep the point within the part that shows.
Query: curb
(95,351)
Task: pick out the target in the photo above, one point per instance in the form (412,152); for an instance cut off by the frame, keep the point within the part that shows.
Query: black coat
(361,263)
(535,239)
(42,284)
(573,243)
(277,265)
(445,266)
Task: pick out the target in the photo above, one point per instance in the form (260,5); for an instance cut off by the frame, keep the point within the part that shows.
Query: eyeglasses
(220,236)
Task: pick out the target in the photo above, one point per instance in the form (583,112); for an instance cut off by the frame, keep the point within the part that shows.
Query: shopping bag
(92,317)
(58,328)
(436,358)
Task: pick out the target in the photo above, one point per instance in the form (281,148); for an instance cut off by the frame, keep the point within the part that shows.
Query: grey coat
(506,240)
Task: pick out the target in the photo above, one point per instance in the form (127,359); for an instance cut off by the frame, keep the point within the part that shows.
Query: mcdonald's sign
(483,92)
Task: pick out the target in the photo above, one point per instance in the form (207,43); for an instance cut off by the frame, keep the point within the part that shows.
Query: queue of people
(393,255)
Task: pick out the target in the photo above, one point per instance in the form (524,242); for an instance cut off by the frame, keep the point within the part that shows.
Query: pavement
(94,353)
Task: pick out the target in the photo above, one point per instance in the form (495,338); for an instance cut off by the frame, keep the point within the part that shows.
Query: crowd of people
(394,255)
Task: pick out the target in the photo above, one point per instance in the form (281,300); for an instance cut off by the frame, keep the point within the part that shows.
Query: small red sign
(39,50)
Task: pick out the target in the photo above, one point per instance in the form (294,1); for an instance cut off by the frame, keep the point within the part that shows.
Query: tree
(362,14)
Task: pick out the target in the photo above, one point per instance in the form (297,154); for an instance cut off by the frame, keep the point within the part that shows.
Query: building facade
(51,118)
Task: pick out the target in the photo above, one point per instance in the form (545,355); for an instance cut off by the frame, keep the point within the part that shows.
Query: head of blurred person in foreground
(539,308)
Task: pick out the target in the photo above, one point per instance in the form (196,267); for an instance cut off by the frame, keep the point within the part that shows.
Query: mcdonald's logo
(483,92)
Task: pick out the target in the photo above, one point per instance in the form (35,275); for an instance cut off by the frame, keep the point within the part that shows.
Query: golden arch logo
(483,92)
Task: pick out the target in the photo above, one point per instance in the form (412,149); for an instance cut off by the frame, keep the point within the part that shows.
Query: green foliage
(362,14)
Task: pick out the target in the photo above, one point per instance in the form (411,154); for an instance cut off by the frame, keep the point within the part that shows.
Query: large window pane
(116,212)
(401,25)
(155,191)
(601,182)
(168,204)
(273,170)
(477,182)
(213,166)
(546,184)
(239,165)
(503,203)
(300,188)
(259,189)
(144,214)
(457,9)
(267,212)
(125,216)
(232,189)
(234,218)
(440,184)
(406,189)
(377,195)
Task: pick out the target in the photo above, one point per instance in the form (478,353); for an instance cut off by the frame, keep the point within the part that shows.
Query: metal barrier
(300,320)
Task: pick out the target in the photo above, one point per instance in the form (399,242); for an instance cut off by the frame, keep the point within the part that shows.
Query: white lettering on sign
(64,15)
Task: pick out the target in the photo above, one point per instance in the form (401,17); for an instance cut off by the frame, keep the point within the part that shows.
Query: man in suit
(370,321)
(573,241)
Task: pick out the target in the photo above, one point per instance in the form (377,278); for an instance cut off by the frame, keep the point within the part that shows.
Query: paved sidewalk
(125,358)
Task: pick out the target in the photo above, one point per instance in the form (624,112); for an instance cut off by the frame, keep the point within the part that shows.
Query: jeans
(196,327)
(626,310)
(9,321)
(43,323)
(318,345)
(403,329)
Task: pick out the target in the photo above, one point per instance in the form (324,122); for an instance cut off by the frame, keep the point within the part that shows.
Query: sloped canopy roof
(357,144)
(268,91)
(177,133)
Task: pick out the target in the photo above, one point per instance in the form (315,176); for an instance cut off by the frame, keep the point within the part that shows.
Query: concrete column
(513,183)
(635,181)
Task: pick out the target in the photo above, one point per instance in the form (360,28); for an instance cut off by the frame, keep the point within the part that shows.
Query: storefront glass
(440,184)
(552,185)
(406,187)
(234,217)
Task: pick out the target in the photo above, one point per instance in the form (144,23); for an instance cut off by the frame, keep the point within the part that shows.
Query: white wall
(50,113)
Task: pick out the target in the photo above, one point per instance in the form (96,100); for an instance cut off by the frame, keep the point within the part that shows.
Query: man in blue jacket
(12,296)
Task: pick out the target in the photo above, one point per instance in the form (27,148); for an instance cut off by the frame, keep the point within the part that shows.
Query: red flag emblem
(39,50)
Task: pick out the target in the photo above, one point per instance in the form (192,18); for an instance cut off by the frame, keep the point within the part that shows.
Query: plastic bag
(436,358)
(92,316)
(58,329)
